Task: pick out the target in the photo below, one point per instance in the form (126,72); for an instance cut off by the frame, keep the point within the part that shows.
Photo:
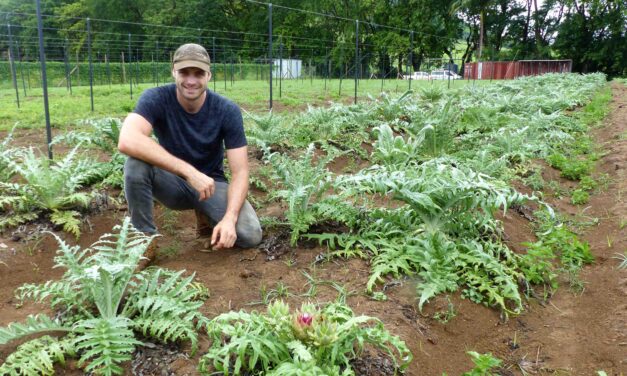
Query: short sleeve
(234,136)
(149,106)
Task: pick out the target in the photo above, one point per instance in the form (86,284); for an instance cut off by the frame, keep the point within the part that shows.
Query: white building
(291,68)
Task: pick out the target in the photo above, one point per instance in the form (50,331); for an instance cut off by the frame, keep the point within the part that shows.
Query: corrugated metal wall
(507,70)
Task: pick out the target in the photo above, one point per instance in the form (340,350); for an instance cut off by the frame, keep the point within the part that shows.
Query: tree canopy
(590,32)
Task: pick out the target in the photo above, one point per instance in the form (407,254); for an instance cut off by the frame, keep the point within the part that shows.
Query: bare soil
(573,334)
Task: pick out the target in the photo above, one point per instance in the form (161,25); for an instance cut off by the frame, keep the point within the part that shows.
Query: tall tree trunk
(537,27)
(526,28)
(481,20)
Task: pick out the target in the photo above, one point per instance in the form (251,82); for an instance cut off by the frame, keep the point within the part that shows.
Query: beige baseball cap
(191,55)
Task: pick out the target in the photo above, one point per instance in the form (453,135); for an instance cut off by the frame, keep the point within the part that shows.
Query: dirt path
(588,332)
(579,334)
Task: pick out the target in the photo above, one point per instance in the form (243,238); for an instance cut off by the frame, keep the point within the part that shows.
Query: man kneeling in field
(185,169)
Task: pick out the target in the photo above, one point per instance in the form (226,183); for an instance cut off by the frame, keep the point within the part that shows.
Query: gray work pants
(143,182)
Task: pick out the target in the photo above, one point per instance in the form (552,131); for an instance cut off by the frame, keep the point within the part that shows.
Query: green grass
(67,109)
(598,108)
(577,159)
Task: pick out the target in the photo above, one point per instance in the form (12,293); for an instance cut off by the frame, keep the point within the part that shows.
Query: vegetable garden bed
(448,227)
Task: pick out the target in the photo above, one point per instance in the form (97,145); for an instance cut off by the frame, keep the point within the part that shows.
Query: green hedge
(143,72)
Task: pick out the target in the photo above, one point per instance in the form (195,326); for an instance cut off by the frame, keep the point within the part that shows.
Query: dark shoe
(150,254)
(204,229)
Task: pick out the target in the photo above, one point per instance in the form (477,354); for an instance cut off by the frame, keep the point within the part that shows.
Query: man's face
(191,82)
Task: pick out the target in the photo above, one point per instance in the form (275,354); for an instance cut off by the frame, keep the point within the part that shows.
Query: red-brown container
(507,70)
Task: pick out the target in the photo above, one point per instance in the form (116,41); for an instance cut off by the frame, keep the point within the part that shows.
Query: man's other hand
(203,184)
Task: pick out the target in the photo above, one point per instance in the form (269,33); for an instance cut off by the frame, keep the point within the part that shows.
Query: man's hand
(224,234)
(202,183)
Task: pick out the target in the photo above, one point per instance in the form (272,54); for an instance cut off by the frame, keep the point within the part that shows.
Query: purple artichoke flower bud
(305,319)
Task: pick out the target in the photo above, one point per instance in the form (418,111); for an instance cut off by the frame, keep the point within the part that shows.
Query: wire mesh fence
(94,52)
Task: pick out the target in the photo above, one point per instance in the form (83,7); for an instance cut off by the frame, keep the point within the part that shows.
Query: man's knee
(250,237)
(249,232)
(136,170)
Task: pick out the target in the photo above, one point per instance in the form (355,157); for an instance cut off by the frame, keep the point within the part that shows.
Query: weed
(579,197)
(379,296)
(576,284)
(281,290)
(312,291)
(571,168)
(610,241)
(255,202)
(290,262)
(557,190)
(270,222)
(268,296)
(597,109)
(587,183)
(604,181)
(445,316)
(484,364)
(34,246)
(170,250)
(170,221)
(623,260)
(555,240)
(535,180)
(256,182)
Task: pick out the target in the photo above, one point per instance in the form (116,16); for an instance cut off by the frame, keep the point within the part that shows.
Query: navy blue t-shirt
(200,138)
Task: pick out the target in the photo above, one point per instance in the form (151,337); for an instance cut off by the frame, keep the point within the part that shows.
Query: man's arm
(135,141)
(224,234)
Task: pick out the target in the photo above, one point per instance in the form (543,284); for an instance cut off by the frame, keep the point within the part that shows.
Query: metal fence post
(152,62)
(382,71)
(42,58)
(108,67)
(137,72)
(356,57)
(448,84)
(224,66)
(158,68)
(231,70)
(326,73)
(270,48)
(28,75)
(66,60)
(213,54)
(411,57)
(91,68)
(12,63)
(341,73)
(280,66)
(19,59)
(130,61)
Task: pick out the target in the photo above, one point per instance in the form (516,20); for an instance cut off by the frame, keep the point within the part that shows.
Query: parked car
(420,76)
(444,75)
(417,76)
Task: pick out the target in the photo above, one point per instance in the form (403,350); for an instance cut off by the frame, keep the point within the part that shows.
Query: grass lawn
(253,95)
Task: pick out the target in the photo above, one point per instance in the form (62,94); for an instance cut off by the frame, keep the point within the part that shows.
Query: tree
(593,35)
(474,8)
